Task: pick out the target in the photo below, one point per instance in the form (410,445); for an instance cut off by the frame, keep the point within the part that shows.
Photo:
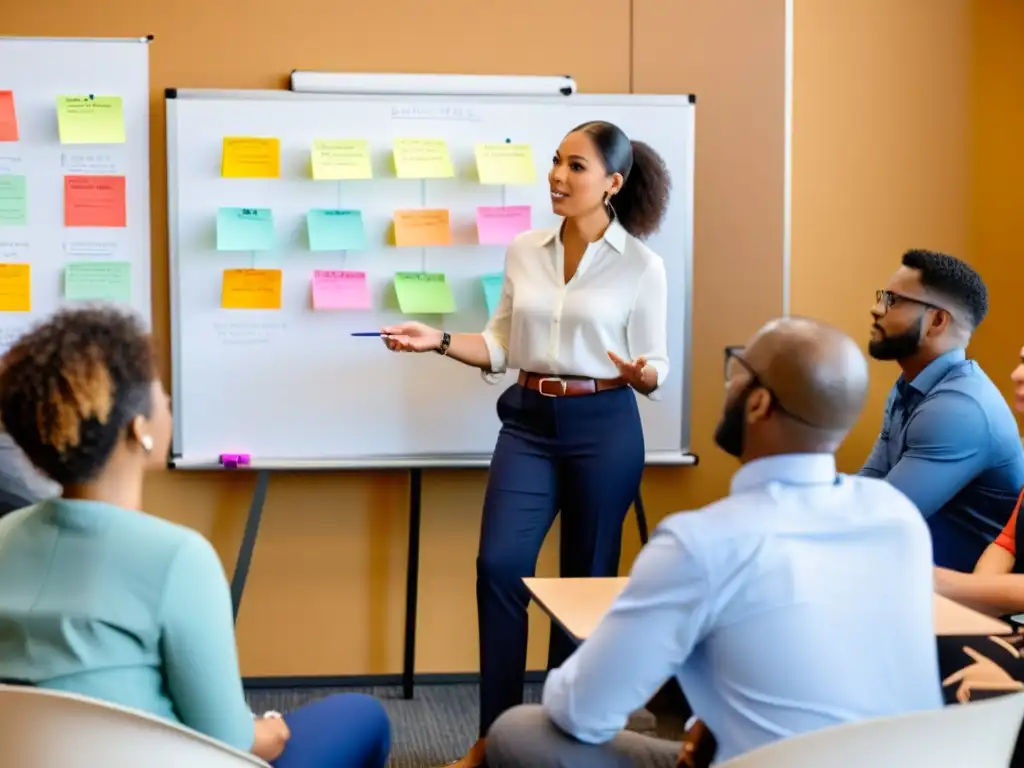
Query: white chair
(49,729)
(981,734)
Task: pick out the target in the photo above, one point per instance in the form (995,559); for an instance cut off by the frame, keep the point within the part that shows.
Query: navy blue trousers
(349,730)
(582,456)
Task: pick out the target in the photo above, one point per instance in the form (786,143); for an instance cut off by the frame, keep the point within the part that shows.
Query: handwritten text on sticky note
(340,159)
(8,117)
(340,289)
(90,119)
(13,201)
(245,157)
(422,227)
(498,225)
(15,288)
(251,289)
(94,201)
(505,164)
(424,293)
(492,285)
(245,229)
(335,230)
(422,159)
(98,281)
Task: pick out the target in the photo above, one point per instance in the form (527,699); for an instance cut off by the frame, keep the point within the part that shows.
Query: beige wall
(326,593)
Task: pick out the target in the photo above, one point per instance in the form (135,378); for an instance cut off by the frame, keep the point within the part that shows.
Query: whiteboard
(291,387)
(38,71)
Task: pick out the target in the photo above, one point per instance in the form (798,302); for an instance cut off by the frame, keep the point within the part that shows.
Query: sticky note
(245,229)
(505,164)
(246,157)
(13,201)
(90,119)
(335,230)
(424,293)
(8,117)
(498,225)
(422,159)
(251,289)
(422,227)
(339,289)
(15,288)
(98,281)
(94,201)
(492,290)
(341,159)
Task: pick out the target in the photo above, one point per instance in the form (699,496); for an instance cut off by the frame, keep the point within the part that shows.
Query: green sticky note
(424,293)
(245,229)
(13,201)
(90,119)
(98,281)
(492,290)
(334,230)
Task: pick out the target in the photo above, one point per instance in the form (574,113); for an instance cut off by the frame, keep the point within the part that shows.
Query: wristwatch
(446,340)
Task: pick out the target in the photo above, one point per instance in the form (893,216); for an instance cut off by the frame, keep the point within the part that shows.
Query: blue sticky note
(245,229)
(335,230)
(492,291)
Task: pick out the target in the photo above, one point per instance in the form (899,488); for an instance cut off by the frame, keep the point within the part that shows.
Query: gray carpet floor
(438,724)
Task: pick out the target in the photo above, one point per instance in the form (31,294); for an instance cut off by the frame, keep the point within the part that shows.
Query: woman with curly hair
(100,599)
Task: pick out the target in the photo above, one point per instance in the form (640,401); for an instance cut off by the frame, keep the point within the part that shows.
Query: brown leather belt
(566,386)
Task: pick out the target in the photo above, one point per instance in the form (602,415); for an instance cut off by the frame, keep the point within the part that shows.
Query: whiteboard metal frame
(419,461)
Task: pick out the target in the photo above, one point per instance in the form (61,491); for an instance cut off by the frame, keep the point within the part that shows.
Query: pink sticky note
(498,225)
(334,289)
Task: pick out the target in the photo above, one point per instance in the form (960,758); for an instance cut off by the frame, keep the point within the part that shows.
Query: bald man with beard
(801,600)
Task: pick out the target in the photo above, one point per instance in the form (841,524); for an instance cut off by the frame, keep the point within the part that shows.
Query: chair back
(980,734)
(44,729)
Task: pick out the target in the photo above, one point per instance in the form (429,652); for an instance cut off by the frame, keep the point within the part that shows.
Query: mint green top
(121,606)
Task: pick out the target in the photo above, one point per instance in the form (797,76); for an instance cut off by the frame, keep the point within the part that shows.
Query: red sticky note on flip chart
(94,201)
(340,289)
(498,225)
(8,117)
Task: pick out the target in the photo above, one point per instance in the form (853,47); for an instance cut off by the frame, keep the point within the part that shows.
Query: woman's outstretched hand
(632,371)
(411,337)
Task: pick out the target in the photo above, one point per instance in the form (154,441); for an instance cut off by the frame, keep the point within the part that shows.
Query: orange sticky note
(251,289)
(15,288)
(422,227)
(8,117)
(251,157)
(94,201)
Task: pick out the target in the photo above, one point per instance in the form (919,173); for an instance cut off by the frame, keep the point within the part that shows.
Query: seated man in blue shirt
(949,440)
(801,600)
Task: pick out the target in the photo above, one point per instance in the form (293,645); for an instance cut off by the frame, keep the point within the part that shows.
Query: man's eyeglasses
(733,353)
(889,299)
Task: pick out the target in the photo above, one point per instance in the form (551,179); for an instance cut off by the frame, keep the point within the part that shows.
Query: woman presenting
(582,316)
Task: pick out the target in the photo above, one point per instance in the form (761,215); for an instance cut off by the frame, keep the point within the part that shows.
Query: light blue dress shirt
(801,600)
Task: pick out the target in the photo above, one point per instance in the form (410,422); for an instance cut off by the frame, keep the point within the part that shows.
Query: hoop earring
(608,205)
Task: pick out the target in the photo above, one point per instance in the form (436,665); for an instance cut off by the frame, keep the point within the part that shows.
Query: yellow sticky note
(338,159)
(248,157)
(90,119)
(251,289)
(15,288)
(505,164)
(422,159)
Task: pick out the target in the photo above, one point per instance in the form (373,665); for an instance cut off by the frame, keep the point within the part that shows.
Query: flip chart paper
(90,119)
(15,288)
(98,281)
(422,159)
(13,201)
(505,164)
(251,289)
(8,117)
(422,227)
(498,225)
(424,293)
(335,289)
(245,229)
(246,157)
(94,201)
(335,230)
(339,159)
(492,290)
